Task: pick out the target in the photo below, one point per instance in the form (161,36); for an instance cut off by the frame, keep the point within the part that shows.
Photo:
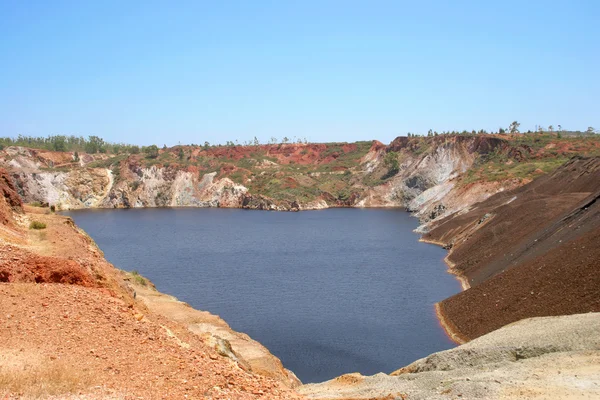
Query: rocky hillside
(432,176)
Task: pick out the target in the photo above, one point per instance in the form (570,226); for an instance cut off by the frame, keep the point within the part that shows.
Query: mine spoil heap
(533,251)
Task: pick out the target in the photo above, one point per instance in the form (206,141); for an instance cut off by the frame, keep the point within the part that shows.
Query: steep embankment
(532,251)
(429,177)
(71,325)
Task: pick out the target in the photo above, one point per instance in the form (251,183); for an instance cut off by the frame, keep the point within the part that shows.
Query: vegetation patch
(108,163)
(50,378)
(134,185)
(138,279)
(37,225)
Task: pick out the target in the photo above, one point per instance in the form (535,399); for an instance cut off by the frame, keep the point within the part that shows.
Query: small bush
(140,280)
(37,225)
(151,151)
(391,162)
(35,204)
(135,185)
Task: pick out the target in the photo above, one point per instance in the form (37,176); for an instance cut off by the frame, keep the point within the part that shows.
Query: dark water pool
(328,292)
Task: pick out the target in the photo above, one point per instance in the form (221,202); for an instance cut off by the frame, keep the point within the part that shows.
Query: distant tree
(590,130)
(206,145)
(58,143)
(285,139)
(76,157)
(501,130)
(151,151)
(559,127)
(181,154)
(94,145)
(430,133)
(135,150)
(255,141)
(514,127)
(550,128)
(273,140)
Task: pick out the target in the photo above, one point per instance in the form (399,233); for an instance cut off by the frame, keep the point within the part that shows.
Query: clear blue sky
(155,72)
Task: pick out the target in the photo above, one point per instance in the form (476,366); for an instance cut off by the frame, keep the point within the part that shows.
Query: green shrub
(37,225)
(140,280)
(151,151)
(135,185)
(392,164)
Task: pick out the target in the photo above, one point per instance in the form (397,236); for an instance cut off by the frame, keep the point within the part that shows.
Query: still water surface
(328,292)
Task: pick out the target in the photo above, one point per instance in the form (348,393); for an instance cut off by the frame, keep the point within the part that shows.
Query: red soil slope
(66,340)
(70,326)
(10,202)
(296,153)
(39,256)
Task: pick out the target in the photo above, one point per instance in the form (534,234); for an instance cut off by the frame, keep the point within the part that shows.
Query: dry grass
(37,225)
(47,378)
(23,289)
